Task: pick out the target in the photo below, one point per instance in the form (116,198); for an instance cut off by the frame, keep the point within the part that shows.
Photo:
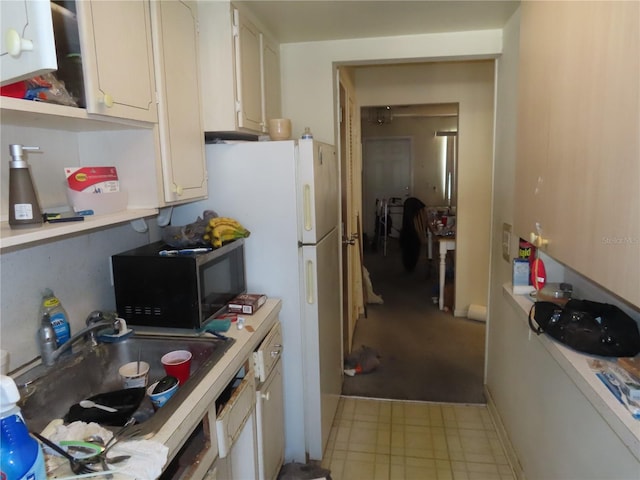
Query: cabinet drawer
(234,406)
(268,353)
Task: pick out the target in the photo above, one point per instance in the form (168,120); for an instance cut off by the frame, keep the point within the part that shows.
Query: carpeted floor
(425,354)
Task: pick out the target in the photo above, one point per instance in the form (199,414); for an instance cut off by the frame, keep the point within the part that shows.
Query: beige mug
(280,128)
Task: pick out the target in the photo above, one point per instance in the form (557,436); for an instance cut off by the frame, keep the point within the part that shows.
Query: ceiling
(296,21)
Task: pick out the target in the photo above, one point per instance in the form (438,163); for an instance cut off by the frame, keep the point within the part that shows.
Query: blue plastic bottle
(57,315)
(21,457)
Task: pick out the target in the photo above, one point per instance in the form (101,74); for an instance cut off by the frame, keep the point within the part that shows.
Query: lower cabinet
(199,451)
(236,428)
(270,423)
(241,437)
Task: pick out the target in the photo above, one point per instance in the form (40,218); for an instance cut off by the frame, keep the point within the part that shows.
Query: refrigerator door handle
(308,224)
(309,283)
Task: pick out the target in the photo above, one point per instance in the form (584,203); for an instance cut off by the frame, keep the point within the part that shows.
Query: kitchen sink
(47,393)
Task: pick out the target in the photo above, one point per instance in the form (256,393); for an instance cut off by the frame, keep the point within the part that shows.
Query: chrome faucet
(94,322)
(96,317)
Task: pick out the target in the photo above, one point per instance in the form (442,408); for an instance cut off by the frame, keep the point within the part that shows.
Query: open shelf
(24,236)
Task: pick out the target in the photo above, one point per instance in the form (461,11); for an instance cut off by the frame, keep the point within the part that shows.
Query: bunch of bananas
(221,230)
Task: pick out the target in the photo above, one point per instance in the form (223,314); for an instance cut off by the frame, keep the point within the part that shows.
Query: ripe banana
(217,221)
(223,229)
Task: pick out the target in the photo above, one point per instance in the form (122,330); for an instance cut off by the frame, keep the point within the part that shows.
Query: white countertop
(576,366)
(179,426)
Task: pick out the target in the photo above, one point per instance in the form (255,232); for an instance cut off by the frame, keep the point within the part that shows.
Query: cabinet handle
(107,100)
(15,44)
(266,395)
(178,190)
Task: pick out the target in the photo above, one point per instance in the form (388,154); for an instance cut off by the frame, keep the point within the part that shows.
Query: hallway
(425,354)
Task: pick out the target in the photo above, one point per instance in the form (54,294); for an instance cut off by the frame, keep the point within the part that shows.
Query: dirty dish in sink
(126,402)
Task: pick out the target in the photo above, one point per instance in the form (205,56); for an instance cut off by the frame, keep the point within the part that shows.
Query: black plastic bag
(589,327)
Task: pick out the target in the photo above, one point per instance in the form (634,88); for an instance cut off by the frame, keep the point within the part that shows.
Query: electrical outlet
(506,242)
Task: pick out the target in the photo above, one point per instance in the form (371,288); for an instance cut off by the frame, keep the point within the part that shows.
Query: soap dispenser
(24,209)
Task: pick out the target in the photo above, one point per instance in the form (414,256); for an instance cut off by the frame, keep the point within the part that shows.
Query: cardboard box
(247,303)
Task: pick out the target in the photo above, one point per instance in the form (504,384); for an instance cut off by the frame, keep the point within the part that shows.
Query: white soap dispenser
(24,208)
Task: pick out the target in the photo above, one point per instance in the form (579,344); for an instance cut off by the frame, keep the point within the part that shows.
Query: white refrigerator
(286,194)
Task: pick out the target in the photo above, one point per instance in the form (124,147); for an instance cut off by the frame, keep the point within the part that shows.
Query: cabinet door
(577,172)
(118,58)
(270,405)
(271,80)
(30,20)
(535,79)
(178,85)
(248,74)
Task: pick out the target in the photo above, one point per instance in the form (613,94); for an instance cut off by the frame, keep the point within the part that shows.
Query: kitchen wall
(77,268)
(553,430)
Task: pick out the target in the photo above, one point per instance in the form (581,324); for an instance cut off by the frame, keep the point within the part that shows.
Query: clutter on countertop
(148,457)
(247,303)
(623,386)
(125,401)
(363,360)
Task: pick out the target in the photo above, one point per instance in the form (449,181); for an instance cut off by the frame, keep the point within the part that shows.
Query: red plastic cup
(177,364)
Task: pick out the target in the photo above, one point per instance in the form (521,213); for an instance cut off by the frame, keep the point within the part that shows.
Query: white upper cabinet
(27,46)
(247,55)
(175,28)
(271,79)
(577,169)
(118,58)
(240,70)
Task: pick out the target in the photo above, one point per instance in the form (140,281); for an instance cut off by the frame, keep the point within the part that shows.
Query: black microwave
(158,286)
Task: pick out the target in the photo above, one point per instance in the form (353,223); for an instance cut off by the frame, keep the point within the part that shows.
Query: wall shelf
(30,113)
(16,238)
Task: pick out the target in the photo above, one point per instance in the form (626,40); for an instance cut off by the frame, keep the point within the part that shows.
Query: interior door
(387,174)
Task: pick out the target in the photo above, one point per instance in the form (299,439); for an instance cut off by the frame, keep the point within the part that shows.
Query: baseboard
(512,458)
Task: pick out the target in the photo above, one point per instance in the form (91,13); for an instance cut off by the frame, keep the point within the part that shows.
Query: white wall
(308,76)
(76,268)
(308,99)
(553,428)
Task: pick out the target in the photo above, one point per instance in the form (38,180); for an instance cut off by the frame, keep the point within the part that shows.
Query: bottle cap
(9,394)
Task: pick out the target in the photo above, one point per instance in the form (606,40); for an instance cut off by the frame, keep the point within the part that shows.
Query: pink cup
(178,364)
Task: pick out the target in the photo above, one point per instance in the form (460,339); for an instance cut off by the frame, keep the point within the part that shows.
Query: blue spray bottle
(21,457)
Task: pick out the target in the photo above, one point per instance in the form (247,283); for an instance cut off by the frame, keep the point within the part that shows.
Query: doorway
(387,175)
(470,85)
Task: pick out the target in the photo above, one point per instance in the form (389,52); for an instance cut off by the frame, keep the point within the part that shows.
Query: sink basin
(48,392)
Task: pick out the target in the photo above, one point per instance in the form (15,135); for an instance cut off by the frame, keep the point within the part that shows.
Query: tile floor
(375,439)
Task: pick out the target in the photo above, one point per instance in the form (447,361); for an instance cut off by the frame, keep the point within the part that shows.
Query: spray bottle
(24,208)
(21,456)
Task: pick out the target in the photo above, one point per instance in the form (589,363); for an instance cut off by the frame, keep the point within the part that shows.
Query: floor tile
(389,440)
